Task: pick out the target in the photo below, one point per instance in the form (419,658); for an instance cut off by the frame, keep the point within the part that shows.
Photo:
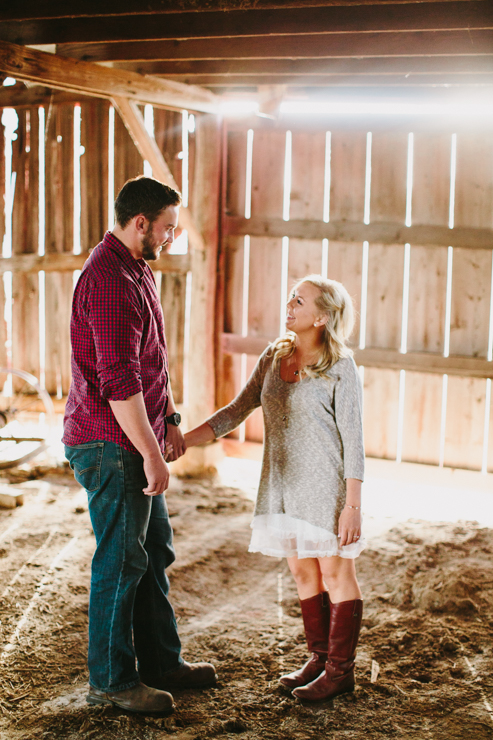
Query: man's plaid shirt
(118,346)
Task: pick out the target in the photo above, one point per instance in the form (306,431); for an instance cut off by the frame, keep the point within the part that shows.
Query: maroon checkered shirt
(118,346)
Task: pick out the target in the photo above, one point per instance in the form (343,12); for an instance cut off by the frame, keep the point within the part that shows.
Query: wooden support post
(205,205)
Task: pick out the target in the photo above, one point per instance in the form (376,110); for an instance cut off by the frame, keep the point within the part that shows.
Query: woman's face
(302,312)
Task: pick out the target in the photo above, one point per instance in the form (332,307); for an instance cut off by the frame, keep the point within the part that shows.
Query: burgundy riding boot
(338,678)
(316,613)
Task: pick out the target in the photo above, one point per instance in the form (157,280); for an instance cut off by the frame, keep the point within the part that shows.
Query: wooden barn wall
(417,298)
(34,330)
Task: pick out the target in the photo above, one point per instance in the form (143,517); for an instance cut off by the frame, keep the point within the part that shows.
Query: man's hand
(175,443)
(157,474)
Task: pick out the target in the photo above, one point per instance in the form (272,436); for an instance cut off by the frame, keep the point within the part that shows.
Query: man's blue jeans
(130,616)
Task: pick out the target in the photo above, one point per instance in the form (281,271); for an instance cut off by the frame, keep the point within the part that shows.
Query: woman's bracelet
(348,506)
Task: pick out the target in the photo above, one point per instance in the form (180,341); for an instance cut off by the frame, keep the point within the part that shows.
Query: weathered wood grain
(354,231)
(55,71)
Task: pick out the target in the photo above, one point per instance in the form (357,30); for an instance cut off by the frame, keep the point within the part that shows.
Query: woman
(309,502)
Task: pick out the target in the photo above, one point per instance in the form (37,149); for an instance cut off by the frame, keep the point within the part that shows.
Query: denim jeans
(130,617)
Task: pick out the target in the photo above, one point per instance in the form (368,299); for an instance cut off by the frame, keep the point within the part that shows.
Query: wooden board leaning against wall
(410,297)
(50,292)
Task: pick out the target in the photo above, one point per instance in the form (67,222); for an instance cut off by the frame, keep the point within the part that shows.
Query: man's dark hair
(146,196)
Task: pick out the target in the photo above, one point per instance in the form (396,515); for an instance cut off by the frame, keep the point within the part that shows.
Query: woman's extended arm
(199,435)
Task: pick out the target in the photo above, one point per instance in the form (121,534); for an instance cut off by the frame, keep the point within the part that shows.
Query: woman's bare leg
(308,576)
(339,576)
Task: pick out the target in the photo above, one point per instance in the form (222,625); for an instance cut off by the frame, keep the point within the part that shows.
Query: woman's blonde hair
(336,304)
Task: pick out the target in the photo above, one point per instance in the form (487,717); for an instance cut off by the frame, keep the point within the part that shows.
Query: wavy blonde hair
(334,302)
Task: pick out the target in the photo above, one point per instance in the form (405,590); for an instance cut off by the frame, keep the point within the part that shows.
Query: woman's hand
(349,526)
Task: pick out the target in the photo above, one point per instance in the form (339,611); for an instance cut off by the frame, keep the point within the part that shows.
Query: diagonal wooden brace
(149,150)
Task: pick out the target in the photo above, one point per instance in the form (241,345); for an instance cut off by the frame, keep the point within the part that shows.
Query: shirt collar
(137,267)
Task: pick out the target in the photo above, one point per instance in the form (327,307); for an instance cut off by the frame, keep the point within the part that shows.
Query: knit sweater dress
(313,441)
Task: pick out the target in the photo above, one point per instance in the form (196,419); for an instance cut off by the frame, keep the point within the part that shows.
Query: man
(119,416)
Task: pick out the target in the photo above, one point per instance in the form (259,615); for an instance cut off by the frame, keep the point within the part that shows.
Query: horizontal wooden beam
(149,150)
(343,66)
(422,43)
(67,262)
(364,80)
(34,9)
(20,96)
(420,362)
(428,16)
(377,232)
(52,70)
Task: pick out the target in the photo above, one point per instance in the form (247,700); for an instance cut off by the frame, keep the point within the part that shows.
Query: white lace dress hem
(283,536)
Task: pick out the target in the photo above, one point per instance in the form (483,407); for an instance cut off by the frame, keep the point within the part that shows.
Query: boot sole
(324,698)
(96,701)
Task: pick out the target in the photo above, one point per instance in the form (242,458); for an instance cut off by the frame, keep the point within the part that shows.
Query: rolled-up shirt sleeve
(115,317)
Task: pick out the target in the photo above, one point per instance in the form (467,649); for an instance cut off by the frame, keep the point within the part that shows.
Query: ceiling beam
(428,16)
(51,70)
(424,43)
(34,9)
(401,80)
(149,150)
(374,65)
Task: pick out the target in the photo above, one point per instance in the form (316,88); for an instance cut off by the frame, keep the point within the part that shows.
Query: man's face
(160,234)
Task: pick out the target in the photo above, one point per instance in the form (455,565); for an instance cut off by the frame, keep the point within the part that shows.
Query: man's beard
(150,250)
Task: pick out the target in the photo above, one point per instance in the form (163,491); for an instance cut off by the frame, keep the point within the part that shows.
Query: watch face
(174,419)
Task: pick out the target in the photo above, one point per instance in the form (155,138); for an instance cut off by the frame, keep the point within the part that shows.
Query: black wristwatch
(174,419)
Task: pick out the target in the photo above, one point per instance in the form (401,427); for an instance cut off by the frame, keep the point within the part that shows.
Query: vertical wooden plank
(427,297)
(422,418)
(345,264)
(269,151)
(94,172)
(465,427)
(264,304)
(173,296)
(347,202)
(205,205)
(388,176)
(385,283)
(264,296)
(229,384)
(168,135)
(307,201)
(236,154)
(59,219)
(471,291)
(305,258)
(307,176)
(347,182)
(59,179)
(381,393)
(235,147)
(25,233)
(127,162)
(384,303)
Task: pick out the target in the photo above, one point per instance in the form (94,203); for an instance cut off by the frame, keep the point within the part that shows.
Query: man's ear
(140,222)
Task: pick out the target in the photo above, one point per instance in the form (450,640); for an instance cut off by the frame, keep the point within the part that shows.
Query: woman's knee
(304,570)
(336,570)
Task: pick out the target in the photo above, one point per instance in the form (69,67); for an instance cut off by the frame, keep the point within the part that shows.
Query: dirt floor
(427,626)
